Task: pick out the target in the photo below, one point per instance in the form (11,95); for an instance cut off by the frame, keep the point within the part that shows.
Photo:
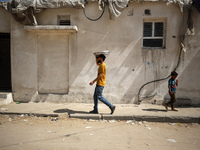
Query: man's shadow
(155,110)
(69,111)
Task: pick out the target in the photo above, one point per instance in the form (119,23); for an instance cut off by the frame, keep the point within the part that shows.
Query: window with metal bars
(64,20)
(153,34)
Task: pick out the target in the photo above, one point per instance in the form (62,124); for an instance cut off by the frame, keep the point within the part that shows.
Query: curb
(171,119)
(5,98)
(30,114)
(88,116)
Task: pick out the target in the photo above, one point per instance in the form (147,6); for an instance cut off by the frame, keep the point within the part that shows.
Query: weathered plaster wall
(23,63)
(190,66)
(53,63)
(128,65)
(5,18)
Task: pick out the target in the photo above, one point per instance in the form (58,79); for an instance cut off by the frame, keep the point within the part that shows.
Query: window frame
(153,21)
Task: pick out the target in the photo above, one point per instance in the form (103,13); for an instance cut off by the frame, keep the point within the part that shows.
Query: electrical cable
(181,41)
(158,80)
(91,18)
(139,100)
(150,96)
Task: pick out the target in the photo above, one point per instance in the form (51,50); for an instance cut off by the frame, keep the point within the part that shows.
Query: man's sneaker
(93,112)
(112,109)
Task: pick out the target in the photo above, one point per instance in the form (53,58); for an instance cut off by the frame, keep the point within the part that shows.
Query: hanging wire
(104,6)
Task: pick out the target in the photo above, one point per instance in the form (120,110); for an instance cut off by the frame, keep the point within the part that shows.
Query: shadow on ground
(155,110)
(69,111)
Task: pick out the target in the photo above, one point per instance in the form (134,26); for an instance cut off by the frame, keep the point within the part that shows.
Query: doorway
(5,62)
(53,64)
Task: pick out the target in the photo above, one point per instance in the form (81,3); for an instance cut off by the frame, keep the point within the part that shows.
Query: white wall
(23,62)
(128,65)
(190,66)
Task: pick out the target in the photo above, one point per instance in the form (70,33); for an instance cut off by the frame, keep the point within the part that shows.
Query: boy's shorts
(173,97)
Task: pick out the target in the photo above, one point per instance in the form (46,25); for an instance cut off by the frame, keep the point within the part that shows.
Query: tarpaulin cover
(116,7)
(24,10)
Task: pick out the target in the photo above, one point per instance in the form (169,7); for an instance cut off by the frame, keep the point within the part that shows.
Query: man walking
(101,81)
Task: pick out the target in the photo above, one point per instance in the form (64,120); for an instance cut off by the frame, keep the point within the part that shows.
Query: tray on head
(106,52)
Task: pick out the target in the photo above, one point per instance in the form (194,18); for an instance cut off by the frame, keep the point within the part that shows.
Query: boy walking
(101,81)
(172,83)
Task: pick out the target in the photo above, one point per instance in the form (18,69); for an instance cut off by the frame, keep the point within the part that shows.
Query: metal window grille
(64,20)
(153,35)
(147,12)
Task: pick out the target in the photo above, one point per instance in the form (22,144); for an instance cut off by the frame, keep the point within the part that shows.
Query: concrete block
(182,119)
(150,118)
(117,117)
(3,95)
(86,116)
(5,98)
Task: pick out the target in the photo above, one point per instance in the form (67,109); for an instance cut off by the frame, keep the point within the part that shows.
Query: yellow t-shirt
(102,69)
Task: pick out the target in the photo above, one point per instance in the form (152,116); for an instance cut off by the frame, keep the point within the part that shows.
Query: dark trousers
(172,100)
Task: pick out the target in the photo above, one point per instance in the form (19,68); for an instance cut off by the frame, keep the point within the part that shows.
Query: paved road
(48,133)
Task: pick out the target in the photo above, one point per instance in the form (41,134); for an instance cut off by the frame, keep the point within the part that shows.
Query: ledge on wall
(52,28)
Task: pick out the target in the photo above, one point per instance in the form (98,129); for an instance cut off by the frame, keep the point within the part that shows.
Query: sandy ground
(38,133)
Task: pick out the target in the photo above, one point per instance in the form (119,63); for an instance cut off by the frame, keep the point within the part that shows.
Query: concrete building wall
(53,63)
(23,63)
(5,18)
(58,67)
(189,66)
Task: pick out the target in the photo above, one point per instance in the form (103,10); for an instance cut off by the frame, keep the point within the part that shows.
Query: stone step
(3,95)
(5,98)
